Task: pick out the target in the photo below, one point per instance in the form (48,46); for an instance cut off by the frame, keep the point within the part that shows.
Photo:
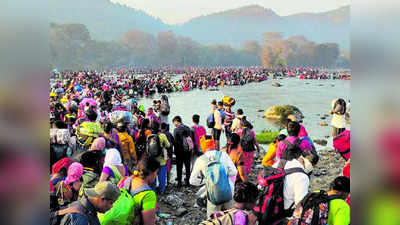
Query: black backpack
(313,209)
(289,147)
(297,143)
(153,147)
(247,141)
(140,144)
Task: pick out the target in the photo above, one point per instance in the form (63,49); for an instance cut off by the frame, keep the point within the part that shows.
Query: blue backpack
(217,181)
(222,112)
(210,121)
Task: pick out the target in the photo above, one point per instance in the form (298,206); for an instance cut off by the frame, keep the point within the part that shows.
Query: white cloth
(296,185)
(218,120)
(236,126)
(200,168)
(113,157)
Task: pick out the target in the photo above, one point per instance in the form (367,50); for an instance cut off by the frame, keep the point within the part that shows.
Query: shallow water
(312,97)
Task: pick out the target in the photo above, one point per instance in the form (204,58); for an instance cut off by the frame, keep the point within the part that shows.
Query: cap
(104,189)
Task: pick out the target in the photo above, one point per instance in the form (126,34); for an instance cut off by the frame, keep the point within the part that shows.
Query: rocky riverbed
(179,207)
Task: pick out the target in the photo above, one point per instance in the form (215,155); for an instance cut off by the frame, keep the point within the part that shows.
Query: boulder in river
(279,112)
(276,84)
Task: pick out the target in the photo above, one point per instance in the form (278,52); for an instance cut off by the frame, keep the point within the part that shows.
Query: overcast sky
(180,11)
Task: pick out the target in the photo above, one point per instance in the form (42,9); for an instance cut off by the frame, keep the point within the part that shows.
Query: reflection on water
(312,97)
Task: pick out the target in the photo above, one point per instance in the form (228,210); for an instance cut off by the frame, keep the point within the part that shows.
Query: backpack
(199,132)
(121,212)
(297,143)
(289,147)
(247,141)
(153,147)
(165,109)
(224,217)
(117,175)
(217,181)
(125,143)
(140,144)
(313,209)
(341,143)
(222,112)
(270,206)
(188,145)
(210,121)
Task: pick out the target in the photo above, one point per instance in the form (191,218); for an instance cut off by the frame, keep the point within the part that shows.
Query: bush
(266,136)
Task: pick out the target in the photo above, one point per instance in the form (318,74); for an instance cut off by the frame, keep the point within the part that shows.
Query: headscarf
(74,173)
(113,157)
(62,163)
(98,144)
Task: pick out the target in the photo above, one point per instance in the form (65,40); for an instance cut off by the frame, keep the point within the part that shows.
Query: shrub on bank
(266,136)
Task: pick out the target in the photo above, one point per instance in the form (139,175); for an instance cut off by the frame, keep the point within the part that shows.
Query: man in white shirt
(296,184)
(199,170)
(216,131)
(236,125)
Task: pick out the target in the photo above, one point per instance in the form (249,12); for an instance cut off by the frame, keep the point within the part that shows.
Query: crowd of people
(111,158)
(146,82)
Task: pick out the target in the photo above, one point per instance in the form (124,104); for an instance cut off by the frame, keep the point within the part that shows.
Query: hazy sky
(179,11)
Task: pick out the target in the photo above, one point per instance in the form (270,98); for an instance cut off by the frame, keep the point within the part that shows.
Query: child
(269,157)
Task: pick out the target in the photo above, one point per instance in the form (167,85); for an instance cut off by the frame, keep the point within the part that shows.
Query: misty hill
(109,21)
(104,19)
(250,22)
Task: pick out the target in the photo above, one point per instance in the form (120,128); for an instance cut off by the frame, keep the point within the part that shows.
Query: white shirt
(236,124)
(200,168)
(295,185)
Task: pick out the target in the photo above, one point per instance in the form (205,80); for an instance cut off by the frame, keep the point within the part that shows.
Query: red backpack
(341,143)
(270,206)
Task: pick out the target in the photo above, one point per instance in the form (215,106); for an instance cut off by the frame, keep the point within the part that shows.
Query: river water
(312,97)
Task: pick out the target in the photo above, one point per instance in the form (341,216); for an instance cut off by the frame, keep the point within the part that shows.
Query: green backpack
(117,175)
(123,210)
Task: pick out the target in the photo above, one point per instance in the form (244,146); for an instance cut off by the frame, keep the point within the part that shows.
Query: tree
(251,46)
(167,45)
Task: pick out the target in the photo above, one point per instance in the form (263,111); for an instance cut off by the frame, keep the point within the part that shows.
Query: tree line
(73,48)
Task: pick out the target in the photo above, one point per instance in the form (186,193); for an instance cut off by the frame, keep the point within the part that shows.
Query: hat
(104,189)
(74,173)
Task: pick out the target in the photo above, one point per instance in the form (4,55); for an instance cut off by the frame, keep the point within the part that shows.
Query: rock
(321,142)
(276,84)
(323,124)
(174,200)
(278,112)
(320,172)
(181,211)
(260,110)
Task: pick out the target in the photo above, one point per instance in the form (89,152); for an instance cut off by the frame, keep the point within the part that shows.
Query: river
(312,97)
